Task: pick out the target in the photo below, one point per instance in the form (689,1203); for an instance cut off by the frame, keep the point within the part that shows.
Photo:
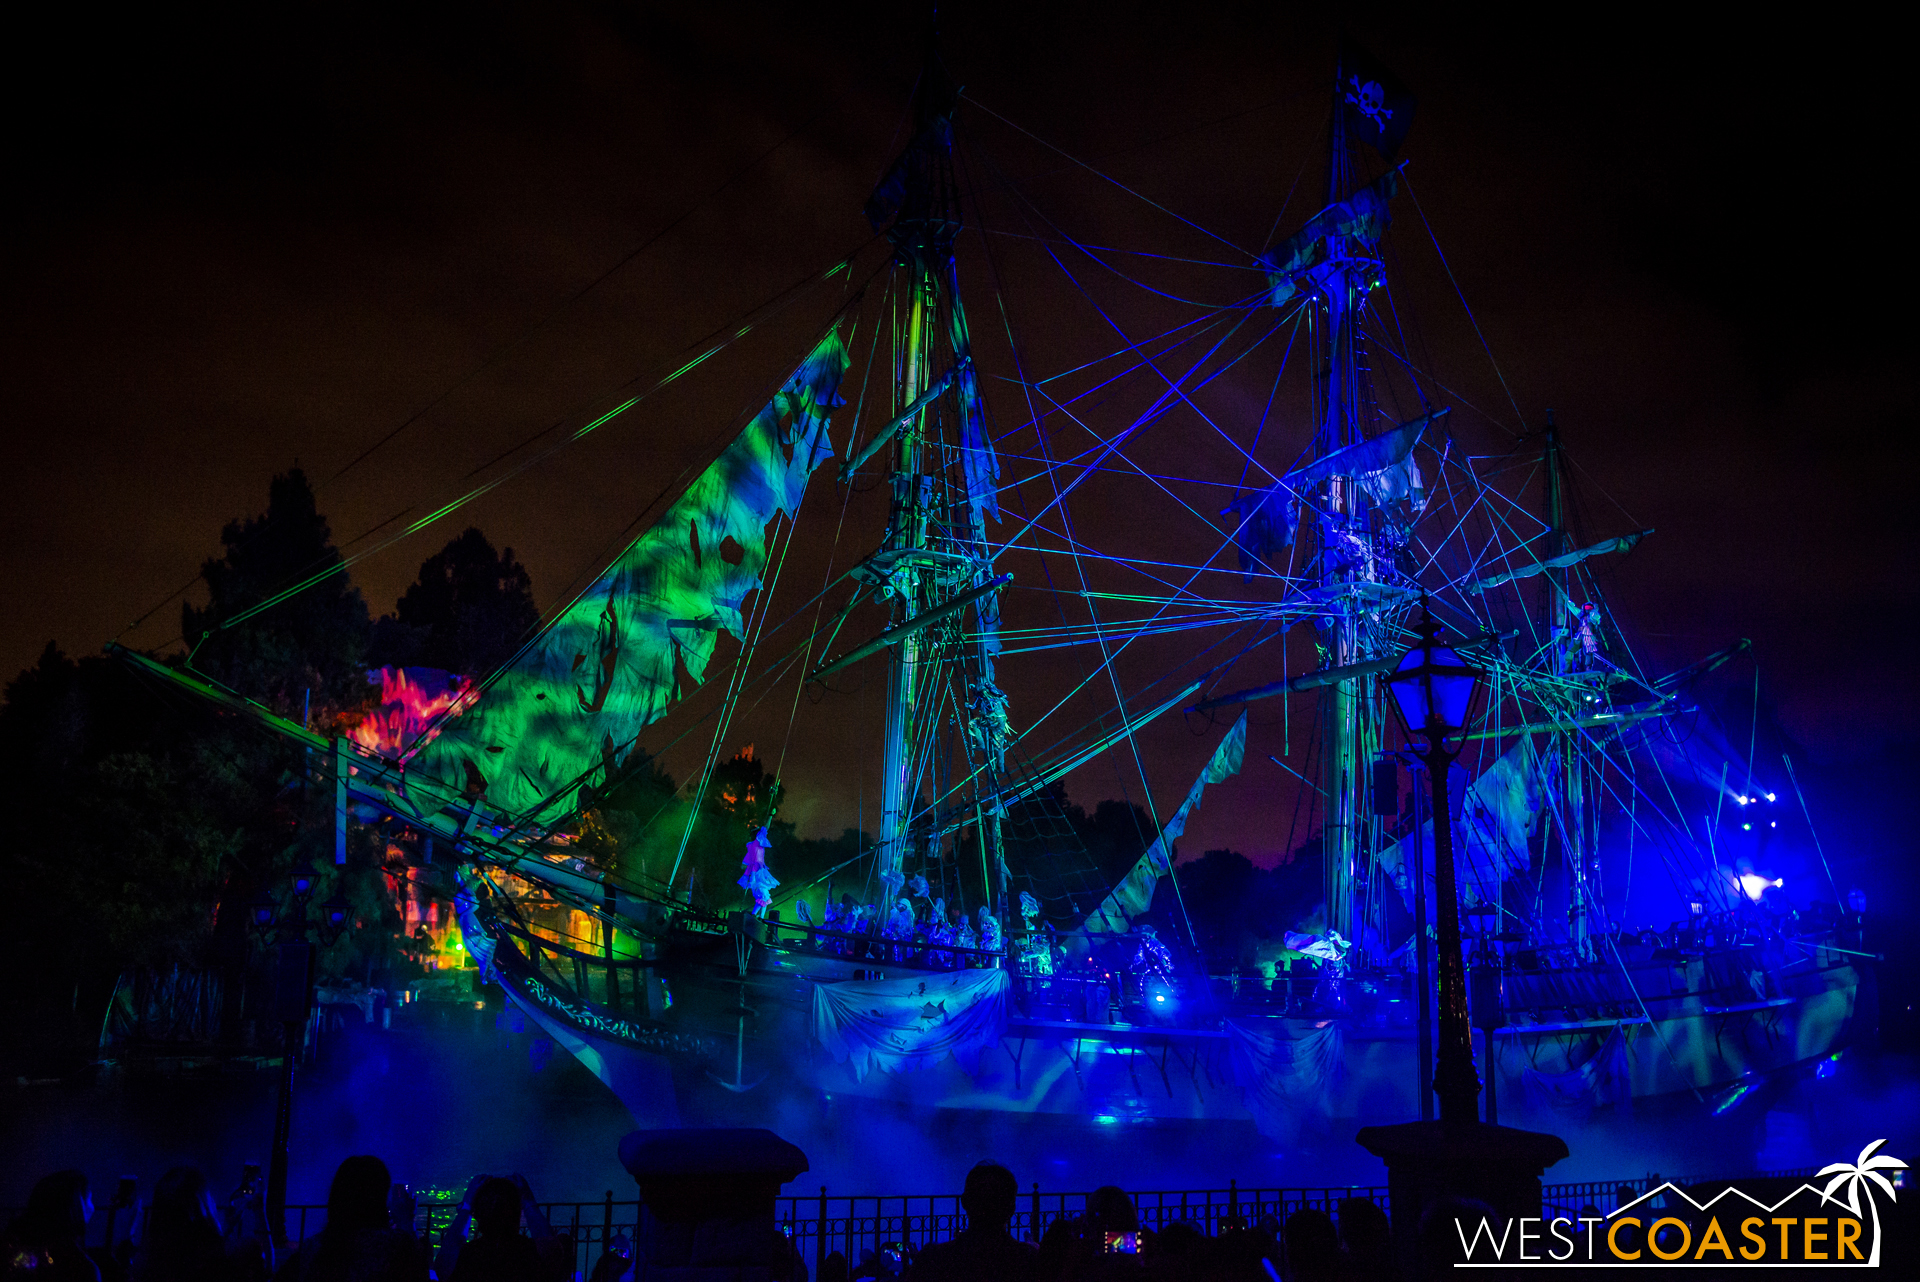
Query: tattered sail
(1134,895)
(1362,216)
(976,451)
(1385,467)
(566,710)
(1495,817)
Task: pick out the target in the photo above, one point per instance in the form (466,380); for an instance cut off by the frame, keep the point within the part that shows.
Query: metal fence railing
(852,1224)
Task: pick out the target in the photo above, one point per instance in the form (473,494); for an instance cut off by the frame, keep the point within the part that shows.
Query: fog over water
(440,1105)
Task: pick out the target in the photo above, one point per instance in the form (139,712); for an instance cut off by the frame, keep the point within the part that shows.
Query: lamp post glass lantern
(1433,686)
(1434,689)
(304,879)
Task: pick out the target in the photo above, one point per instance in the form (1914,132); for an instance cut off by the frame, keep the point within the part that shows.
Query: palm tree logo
(1854,1176)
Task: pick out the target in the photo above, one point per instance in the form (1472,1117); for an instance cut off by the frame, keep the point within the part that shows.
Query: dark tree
(469,611)
(310,647)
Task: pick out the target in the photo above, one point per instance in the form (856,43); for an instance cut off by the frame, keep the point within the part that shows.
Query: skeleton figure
(963,937)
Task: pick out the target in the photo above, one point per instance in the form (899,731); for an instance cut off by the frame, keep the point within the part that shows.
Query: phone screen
(1123,1243)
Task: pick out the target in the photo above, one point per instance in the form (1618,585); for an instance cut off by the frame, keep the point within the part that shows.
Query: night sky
(238,240)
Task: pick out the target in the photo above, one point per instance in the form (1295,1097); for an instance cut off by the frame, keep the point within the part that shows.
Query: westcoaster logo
(1668,1226)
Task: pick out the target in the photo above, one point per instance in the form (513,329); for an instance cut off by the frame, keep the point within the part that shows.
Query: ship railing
(614,982)
(799,937)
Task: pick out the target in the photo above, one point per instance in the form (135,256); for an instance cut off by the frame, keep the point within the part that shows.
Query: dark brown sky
(239,239)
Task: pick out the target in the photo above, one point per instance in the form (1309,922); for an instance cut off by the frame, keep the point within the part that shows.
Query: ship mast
(923,245)
(935,545)
(1563,626)
(1339,294)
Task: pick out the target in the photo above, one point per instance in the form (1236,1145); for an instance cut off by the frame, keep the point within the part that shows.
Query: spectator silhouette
(1313,1248)
(48,1238)
(1366,1235)
(985,1248)
(500,1253)
(181,1241)
(1080,1248)
(358,1244)
(614,1261)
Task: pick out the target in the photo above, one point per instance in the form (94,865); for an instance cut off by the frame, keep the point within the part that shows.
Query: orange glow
(411,699)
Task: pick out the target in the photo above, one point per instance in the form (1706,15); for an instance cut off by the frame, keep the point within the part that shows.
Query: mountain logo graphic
(1816,1223)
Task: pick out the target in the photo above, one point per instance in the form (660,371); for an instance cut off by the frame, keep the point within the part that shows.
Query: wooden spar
(925,619)
(1578,723)
(1327,676)
(900,420)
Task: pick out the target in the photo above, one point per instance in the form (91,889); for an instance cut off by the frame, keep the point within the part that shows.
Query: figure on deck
(757,881)
(941,933)
(899,930)
(990,941)
(1151,960)
(1035,945)
(963,937)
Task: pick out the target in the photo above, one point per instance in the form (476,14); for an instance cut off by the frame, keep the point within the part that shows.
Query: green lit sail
(569,706)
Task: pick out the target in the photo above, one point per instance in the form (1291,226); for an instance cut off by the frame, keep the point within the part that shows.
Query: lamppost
(1459,1155)
(1434,689)
(292,1004)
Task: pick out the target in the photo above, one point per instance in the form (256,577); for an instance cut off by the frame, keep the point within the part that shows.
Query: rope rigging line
(1106,177)
(488,361)
(1461,294)
(348,561)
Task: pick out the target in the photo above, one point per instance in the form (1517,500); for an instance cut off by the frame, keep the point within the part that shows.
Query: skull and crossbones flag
(1377,107)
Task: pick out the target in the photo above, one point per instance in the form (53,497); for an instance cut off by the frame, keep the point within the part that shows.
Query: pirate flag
(1377,107)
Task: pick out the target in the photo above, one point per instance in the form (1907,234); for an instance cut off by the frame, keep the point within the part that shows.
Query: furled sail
(1564,561)
(1134,895)
(566,710)
(1496,816)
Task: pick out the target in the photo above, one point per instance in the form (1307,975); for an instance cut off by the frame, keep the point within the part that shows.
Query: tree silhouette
(311,647)
(469,611)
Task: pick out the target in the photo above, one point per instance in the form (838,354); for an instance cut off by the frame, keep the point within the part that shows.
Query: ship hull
(730,1030)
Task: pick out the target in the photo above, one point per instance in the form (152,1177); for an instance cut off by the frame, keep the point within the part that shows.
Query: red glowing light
(411,699)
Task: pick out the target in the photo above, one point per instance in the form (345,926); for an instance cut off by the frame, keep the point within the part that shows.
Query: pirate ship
(975,969)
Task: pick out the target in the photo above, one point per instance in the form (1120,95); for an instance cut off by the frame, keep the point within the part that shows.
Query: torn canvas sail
(566,710)
(1363,216)
(1266,521)
(1134,894)
(899,1024)
(1494,818)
